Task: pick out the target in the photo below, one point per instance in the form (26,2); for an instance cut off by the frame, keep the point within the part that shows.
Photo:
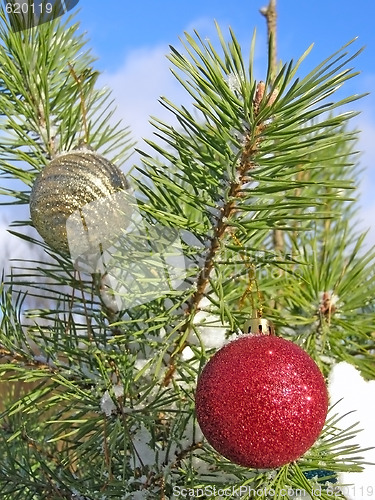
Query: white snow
(211,329)
(187,354)
(233,82)
(145,454)
(346,382)
(107,404)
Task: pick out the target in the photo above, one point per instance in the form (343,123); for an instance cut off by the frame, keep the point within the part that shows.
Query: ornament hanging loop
(259,326)
(252,280)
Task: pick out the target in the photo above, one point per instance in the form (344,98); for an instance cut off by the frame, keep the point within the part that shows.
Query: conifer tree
(245,209)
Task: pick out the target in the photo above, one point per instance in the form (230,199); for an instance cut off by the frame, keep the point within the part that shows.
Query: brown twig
(245,165)
(107,453)
(270,14)
(184,453)
(14,357)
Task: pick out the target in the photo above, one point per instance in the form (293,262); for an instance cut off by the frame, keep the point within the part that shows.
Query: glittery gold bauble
(80,190)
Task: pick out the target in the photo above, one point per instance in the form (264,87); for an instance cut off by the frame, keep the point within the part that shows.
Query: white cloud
(137,86)
(366,196)
(145,75)
(11,246)
(366,222)
(367,146)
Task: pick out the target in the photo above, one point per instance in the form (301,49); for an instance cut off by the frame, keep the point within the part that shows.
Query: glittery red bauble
(261,401)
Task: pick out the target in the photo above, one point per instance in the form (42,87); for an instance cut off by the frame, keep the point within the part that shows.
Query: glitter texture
(261,401)
(68,183)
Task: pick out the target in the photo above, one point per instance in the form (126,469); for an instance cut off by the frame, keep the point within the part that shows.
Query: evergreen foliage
(106,406)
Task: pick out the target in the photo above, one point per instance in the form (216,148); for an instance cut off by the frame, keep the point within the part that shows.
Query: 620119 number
(26,8)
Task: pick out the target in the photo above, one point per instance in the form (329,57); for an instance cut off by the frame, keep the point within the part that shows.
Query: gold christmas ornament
(78,202)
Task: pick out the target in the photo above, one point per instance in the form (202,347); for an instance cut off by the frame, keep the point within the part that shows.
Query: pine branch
(270,14)
(235,193)
(42,110)
(233,133)
(115,389)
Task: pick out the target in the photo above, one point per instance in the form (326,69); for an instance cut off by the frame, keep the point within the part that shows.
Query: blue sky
(124,35)
(121,29)
(131,39)
(121,26)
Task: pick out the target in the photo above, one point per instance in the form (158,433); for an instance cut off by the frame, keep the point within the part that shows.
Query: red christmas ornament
(261,401)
